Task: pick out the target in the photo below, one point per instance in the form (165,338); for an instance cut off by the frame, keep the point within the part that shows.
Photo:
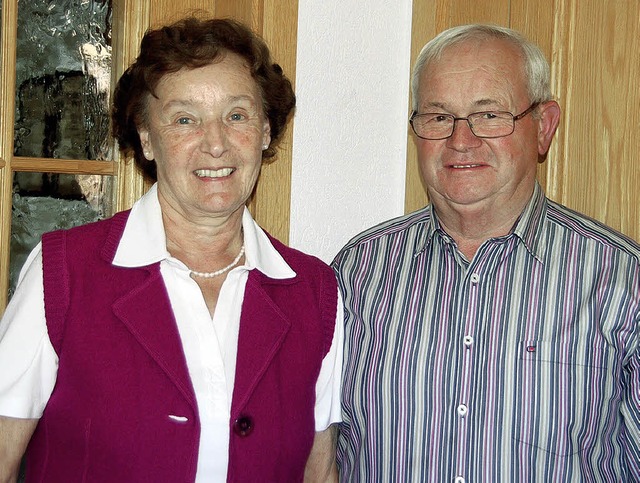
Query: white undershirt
(29,363)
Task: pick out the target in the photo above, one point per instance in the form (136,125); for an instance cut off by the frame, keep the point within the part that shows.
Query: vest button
(243,426)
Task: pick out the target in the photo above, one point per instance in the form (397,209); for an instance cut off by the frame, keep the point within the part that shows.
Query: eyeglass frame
(453,125)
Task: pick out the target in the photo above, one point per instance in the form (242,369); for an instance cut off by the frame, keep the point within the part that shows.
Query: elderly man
(493,335)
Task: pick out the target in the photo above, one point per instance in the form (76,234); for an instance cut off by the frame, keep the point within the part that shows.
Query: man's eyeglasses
(487,124)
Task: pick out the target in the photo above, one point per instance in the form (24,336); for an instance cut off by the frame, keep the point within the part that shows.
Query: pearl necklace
(222,270)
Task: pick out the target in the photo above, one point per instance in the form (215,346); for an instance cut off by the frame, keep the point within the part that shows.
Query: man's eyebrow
(438,105)
(480,104)
(486,102)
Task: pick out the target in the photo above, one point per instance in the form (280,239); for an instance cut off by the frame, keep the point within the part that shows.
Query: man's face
(463,172)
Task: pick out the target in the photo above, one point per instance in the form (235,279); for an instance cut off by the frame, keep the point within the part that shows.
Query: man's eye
(440,118)
(183,120)
(489,115)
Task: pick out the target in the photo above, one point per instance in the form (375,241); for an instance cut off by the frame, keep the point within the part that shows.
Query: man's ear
(548,120)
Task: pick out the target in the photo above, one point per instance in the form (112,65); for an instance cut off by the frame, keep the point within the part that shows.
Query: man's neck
(471,226)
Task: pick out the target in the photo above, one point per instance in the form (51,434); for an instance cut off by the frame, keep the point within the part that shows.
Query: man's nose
(462,136)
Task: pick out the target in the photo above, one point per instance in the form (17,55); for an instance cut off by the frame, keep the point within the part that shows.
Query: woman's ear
(146,144)
(266,135)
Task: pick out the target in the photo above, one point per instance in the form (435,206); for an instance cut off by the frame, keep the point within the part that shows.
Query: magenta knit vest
(123,408)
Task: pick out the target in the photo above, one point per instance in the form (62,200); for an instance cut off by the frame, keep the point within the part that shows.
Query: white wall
(350,130)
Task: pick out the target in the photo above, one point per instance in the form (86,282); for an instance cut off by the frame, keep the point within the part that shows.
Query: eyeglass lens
(488,124)
(482,124)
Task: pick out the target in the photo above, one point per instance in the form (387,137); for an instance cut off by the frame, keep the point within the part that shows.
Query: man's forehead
(467,54)
(473,68)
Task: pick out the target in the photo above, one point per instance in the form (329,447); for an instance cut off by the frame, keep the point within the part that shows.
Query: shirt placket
(463,408)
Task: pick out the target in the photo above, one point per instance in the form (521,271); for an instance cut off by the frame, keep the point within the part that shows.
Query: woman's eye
(236,116)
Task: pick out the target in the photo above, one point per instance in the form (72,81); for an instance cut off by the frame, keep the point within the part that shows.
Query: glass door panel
(44,202)
(61,125)
(63,69)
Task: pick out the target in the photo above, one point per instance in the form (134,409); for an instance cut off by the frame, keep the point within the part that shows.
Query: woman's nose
(214,138)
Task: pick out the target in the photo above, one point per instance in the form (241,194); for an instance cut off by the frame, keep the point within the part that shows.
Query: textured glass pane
(63,70)
(44,202)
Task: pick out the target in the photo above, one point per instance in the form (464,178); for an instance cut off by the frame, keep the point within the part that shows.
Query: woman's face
(206,130)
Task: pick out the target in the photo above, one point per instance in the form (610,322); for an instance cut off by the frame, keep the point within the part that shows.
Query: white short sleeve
(28,361)
(329,384)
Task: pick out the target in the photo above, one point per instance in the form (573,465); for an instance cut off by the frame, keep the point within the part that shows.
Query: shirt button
(243,426)
(475,278)
(462,410)
(459,479)
(468,340)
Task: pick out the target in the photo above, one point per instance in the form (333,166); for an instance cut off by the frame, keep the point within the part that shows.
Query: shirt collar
(144,243)
(428,229)
(529,227)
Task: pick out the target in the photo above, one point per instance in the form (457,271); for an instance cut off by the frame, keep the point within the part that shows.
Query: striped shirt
(522,365)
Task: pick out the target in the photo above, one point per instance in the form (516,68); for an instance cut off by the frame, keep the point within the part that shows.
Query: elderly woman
(178,341)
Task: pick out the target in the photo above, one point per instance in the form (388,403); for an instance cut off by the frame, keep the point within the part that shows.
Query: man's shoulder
(589,229)
(400,226)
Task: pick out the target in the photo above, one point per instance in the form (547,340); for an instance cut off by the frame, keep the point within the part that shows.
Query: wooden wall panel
(130,21)
(166,11)
(537,22)
(248,11)
(456,12)
(594,165)
(593,48)
(272,201)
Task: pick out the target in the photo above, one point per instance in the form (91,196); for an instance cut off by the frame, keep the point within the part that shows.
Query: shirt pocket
(561,395)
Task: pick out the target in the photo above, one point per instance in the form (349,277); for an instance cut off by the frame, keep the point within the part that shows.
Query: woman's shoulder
(295,257)
(105,232)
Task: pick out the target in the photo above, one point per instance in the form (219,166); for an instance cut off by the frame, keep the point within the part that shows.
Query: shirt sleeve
(28,361)
(631,412)
(329,384)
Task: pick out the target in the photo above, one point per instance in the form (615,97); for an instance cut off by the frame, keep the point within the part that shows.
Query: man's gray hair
(536,67)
